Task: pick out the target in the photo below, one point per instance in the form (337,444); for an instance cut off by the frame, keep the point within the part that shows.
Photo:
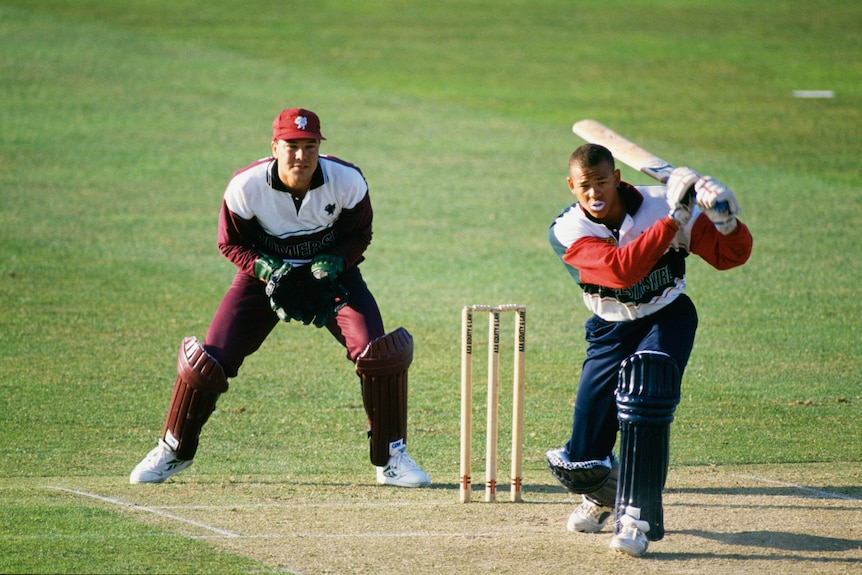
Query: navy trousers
(594,423)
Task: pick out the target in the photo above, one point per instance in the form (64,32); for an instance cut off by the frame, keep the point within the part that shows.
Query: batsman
(626,247)
(296,225)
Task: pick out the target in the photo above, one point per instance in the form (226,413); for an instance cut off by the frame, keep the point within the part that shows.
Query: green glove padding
(265,265)
(326,267)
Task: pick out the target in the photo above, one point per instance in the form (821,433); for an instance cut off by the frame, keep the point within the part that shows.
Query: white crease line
(819,492)
(301,505)
(359,535)
(137,507)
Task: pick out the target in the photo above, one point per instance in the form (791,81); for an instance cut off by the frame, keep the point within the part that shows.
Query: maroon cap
(296,124)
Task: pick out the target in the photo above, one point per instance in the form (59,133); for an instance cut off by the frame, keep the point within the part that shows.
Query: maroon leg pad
(383,369)
(200,380)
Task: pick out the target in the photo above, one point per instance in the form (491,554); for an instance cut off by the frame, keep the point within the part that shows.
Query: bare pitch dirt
(754,519)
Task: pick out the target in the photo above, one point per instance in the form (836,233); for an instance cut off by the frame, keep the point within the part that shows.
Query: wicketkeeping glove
(326,267)
(679,193)
(718,202)
(286,291)
(265,265)
(326,299)
(327,295)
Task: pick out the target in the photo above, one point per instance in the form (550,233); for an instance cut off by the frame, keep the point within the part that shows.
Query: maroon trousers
(244,319)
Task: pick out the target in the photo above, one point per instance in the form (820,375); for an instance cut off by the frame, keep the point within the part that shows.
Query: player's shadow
(778,540)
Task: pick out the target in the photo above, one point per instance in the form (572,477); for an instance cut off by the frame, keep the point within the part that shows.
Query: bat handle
(688,199)
(722,207)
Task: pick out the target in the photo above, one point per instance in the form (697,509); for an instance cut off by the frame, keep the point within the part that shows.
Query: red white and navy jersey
(260,216)
(637,270)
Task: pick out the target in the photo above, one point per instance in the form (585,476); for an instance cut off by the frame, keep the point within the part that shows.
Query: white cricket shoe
(631,539)
(158,465)
(401,470)
(589,517)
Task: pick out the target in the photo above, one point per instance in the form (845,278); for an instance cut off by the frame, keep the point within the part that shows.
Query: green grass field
(121,123)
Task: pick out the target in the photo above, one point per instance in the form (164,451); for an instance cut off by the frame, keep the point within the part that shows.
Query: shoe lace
(403,462)
(156,456)
(163,455)
(592,511)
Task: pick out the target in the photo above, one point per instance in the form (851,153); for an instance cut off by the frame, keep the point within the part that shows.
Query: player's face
(595,187)
(297,160)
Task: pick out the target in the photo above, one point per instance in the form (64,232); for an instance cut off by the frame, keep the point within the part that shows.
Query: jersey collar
(275,182)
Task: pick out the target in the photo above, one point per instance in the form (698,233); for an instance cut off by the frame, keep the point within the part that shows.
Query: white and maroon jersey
(637,270)
(260,216)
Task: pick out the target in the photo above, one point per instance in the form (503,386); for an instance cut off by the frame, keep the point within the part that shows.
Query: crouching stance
(296,226)
(625,247)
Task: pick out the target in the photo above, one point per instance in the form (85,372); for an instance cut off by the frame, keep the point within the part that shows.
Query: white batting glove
(679,194)
(718,202)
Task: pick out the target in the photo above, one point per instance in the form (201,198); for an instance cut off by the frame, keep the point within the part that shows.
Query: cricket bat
(623,150)
(627,151)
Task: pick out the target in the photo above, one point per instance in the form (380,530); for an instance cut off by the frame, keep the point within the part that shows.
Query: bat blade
(628,152)
(623,149)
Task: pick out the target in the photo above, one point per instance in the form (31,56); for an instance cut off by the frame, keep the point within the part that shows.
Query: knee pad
(200,380)
(648,388)
(382,368)
(647,394)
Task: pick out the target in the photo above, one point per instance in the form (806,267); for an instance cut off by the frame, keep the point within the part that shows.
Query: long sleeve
(354,231)
(720,251)
(236,239)
(602,263)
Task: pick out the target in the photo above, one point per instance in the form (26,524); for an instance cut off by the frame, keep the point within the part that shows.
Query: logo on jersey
(330,209)
(301,122)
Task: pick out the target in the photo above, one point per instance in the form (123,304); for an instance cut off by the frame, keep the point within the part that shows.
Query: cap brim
(298,136)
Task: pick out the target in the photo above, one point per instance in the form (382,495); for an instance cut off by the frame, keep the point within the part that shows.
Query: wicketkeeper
(625,246)
(296,225)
